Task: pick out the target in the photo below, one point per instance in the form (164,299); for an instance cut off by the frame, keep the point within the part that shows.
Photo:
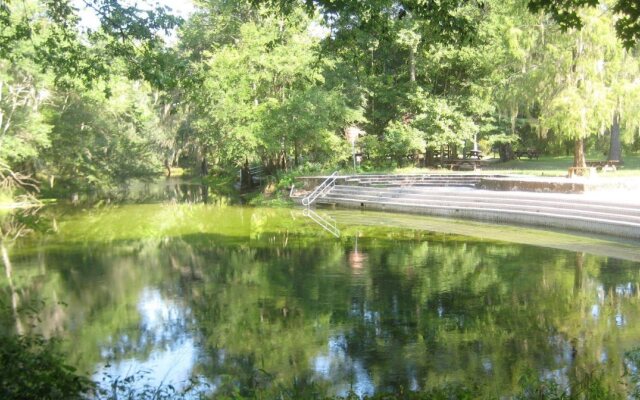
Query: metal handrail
(320,190)
(328,225)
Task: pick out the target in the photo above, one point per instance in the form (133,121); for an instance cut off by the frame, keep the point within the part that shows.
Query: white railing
(328,224)
(321,189)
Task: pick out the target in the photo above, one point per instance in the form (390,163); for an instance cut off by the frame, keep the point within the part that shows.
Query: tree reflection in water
(252,299)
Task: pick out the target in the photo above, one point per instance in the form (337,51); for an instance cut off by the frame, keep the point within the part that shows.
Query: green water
(248,298)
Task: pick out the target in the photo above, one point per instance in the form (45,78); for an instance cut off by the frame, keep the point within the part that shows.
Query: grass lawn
(558,166)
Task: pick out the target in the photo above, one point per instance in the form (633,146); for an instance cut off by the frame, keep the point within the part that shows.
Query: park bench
(530,153)
(582,171)
(608,165)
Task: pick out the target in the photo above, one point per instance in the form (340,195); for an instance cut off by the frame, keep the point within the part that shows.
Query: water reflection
(336,364)
(173,190)
(325,222)
(165,331)
(251,299)
(357,258)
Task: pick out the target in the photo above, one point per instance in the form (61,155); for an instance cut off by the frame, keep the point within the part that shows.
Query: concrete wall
(514,218)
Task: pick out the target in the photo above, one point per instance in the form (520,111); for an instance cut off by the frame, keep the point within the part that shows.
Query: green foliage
(23,126)
(264,98)
(100,142)
(567,14)
(443,122)
(249,83)
(68,113)
(50,28)
(579,102)
(34,367)
(401,140)
(502,139)
(314,392)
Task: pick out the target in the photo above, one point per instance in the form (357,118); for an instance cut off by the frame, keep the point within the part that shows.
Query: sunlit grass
(558,166)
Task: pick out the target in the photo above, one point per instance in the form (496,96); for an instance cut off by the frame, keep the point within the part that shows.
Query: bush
(33,368)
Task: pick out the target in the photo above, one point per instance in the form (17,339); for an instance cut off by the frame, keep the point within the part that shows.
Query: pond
(256,298)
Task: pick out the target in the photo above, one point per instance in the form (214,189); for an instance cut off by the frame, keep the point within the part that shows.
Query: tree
(25,93)
(114,139)
(265,100)
(568,14)
(45,56)
(576,86)
(565,12)
(621,74)
(126,32)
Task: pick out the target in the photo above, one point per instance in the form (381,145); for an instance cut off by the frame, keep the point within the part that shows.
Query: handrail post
(320,190)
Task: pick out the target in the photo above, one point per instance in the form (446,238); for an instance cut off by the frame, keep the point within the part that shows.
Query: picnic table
(436,154)
(477,154)
(608,165)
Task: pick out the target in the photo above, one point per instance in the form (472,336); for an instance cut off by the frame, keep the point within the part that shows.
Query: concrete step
(360,179)
(466,198)
(557,219)
(419,184)
(612,214)
(365,176)
(412,181)
(599,212)
(565,201)
(454,195)
(491,206)
(626,211)
(416,179)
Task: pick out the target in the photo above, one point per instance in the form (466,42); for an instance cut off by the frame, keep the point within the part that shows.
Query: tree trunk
(428,157)
(246,181)
(505,151)
(204,166)
(578,154)
(272,166)
(168,167)
(205,194)
(615,147)
(412,64)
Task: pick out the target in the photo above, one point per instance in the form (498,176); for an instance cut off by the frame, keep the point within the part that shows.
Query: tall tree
(264,99)
(582,96)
